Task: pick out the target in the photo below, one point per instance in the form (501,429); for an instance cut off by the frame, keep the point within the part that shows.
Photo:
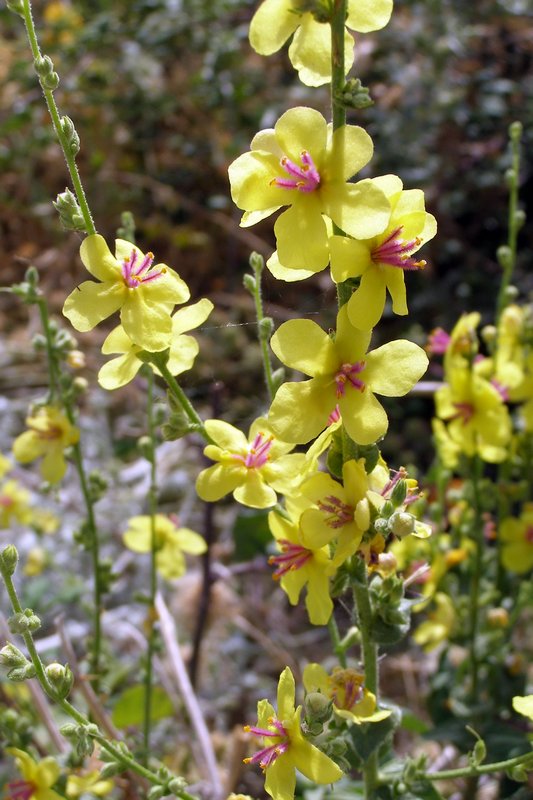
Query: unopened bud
(75,359)
(399,493)
(266,327)
(24,622)
(401,524)
(156,792)
(8,560)
(71,135)
(111,769)
(504,256)
(498,617)
(44,67)
(80,385)
(10,656)
(381,526)
(61,678)
(16,6)
(249,283)
(515,130)
(511,292)
(387,564)
(69,211)
(257,262)
(520,218)
(24,673)
(317,707)
(489,333)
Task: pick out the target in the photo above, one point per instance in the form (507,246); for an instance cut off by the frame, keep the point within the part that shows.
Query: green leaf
(251,534)
(412,723)
(368,737)
(129,709)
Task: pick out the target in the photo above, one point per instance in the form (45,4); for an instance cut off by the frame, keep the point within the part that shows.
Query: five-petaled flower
(145,293)
(382,260)
(343,374)
(253,468)
(285,748)
(516,536)
(182,349)
(171,542)
(352,701)
(303,164)
(310,50)
(49,434)
(304,560)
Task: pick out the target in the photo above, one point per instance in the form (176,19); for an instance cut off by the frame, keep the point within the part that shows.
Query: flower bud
(519,218)
(317,707)
(69,211)
(75,359)
(71,135)
(515,130)
(489,333)
(24,622)
(510,178)
(387,564)
(257,262)
(80,385)
(498,617)
(61,678)
(156,792)
(44,67)
(16,6)
(176,785)
(399,493)
(10,656)
(111,769)
(249,283)
(401,524)
(504,256)
(20,674)
(511,293)
(8,560)
(266,328)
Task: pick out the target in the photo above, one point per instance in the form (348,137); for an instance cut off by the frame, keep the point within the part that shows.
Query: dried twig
(179,671)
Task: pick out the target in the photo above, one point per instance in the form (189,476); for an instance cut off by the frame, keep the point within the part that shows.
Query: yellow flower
(286,750)
(303,164)
(35,562)
(516,535)
(145,293)
(304,561)
(310,51)
(90,782)
(183,349)
(341,511)
(49,434)
(439,625)
(478,420)
(382,260)
(38,777)
(343,374)
(14,504)
(524,705)
(171,543)
(5,465)
(253,468)
(345,687)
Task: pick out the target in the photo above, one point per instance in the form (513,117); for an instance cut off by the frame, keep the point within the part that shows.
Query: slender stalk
(338,649)
(122,757)
(257,263)
(91,528)
(370,663)
(482,769)
(152,503)
(509,261)
(475,583)
(179,395)
(56,121)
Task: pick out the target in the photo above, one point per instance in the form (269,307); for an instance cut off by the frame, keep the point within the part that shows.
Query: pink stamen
(293,557)
(6,502)
(465,412)
(266,757)
(529,534)
(341,513)
(334,416)
(305,178)
(438,342)
(20,790)
(133,276)
(258,452)
(396,252)
(502,390)
(347,373)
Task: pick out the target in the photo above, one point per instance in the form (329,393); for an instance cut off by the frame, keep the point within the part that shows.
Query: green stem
(338,648)
(56,121)
(177,392)
(475,583)
(152,501)
(257,263)
(483,769)
(91,528)
(123,758)
(370,662)
(338,78)
(513,223)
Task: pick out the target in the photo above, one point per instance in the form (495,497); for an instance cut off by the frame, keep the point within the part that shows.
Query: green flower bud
(8,560)
(257,262)
(111,769)
(355,95)
(176,785)
(32,277)
(156,792)
(24,622)
(504,256)
(317,708)
(515,130)
(69,211)
(16,6)
(71,135)
(266,328)
(10,656)
(479,752)
(520,218)
(145,447)
(399,493)
(44,67)
(511,293)
(401,524)
(518,773)
(510,177)
(249,283)
(69,731)
(61,678)
(20,674)
(381,526)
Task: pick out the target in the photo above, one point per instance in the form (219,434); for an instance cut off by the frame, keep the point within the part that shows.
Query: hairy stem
(56,121)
